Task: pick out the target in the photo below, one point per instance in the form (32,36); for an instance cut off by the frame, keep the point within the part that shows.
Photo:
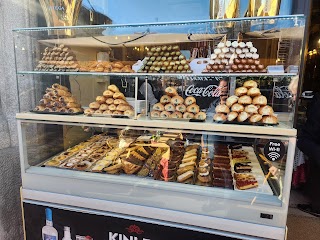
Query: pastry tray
(263,187)
(56,113)
(178,119)
(247,123)
(109,116)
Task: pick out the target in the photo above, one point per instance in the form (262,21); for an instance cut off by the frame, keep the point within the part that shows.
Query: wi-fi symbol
(274,155)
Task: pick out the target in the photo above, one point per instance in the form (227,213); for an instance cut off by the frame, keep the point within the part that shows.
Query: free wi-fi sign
(274,150)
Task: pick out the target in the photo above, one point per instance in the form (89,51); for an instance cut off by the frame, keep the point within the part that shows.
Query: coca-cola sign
(207,91)
(282,92)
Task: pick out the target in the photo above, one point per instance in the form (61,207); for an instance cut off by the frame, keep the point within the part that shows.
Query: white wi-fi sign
(274,150)
(274,156)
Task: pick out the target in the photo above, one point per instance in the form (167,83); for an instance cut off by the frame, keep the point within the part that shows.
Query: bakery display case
(185,124)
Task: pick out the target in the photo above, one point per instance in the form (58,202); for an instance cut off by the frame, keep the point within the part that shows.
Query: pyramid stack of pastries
(59,58)
(105,66)
(246,105)
(167,59)
(58,99)
(174,106)
(113,102)
(236,56)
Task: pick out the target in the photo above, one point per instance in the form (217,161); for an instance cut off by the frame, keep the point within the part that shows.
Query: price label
(274,150)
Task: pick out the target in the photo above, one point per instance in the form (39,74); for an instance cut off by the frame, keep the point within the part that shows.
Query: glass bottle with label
(67,233)
(48,231)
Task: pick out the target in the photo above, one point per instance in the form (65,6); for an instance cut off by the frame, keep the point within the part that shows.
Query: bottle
(48,231)
(67,234)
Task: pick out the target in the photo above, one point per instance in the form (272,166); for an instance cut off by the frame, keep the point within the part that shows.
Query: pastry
(220,117)
(245,100)
(165,114)
(58,86)
(255,118)
(222,108)
(176,115)
(243,116)
(108,112)
(193,108)
(180,171)
(94,105)
(176,100)
(185,176)
(171,91)
(113,88)
(110,101)
(253,92)
(240,91)
(189,101)
(155,114)
(237,108)
(119,95)
(265,110)
(250,84)
(103,107)
(98,112)
(75,110)
(232,116)
(181,108)
(270,120)
(231,100)
(201,116)
(108,94)
(158,107)
(169,107)
(251,109)
(128,113)
(260,100)
(100,99)
(117,113)
(89,111)
(119,101)
(188,115)
(242,168)
(165,99)
(112,107)
(123,107)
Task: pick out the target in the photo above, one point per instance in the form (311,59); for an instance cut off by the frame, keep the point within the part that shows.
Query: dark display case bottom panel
(85,226)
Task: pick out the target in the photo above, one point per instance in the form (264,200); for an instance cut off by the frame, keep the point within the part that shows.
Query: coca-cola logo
(208,91)
(282,92)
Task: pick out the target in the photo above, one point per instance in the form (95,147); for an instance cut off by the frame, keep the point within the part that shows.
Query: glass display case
(188,124)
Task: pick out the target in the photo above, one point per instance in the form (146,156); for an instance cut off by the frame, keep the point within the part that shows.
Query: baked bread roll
(117,65)
(109,112)
(101,99)
(119,101)
(176,100)
(94,105)
(237,108)
(165,99)
(128,113)
(158,107)
(251,109)
(119,95)
(250,84)
(165,114)
(189,100)
(75,110)
(245,100)
(220,117)
(123,107)
(58,86)
(112,107)
(171,91)
(188,115)
(241,91)
(193,108)
(155,114)
(201,116)
(108,94)
(176,115)
(181,108)
(255,118)
(243,116)
(260,100)
(110,101)
(113,88)
(117,113)
(60,92)
(231,100)
(169,107)
(270,120)
(103,107)
(266,110)
(98,112)
(66,99)
(232,116)
(89,111)
(253,92)
(222,108)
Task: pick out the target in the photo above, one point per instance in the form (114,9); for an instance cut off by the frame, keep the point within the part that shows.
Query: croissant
(73,105)
(44,102)
(58,86)
(67,99)
(60,92)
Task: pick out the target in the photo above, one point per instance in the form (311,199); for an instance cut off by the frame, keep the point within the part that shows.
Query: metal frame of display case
(110,195)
